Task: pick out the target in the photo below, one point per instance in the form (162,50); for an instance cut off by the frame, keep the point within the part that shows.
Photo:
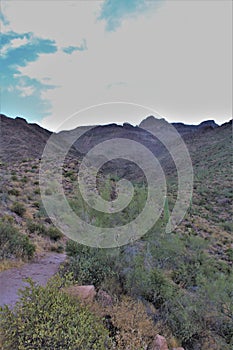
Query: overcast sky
(174,57)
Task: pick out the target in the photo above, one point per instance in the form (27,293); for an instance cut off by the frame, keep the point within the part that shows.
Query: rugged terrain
(184,276)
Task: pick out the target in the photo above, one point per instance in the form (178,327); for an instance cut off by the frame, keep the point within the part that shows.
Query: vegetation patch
(13,243)
(46,317)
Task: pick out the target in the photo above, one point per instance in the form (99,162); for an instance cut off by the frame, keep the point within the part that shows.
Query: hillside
(21,140)
(180,282)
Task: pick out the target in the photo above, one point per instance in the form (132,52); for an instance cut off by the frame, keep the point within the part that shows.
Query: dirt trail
(40,271)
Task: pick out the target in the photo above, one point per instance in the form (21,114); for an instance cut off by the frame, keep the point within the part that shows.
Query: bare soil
(40,271)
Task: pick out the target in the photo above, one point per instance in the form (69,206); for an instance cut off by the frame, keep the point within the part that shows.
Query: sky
(59,57)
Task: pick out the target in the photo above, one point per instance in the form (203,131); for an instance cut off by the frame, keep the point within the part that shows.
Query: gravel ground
(40,271)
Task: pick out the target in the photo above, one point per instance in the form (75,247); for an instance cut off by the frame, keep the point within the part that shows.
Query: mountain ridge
(20,139)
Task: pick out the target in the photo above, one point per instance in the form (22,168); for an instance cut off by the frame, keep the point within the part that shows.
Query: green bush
(184,316)
(57,249)
(14,177)
(151,284)
(14,192)
(35,227)
(47,318)
(89,265)
(37,191)
(36,204)
(18,208)
(53,233)
(24,179)
(48,192)
(13,243)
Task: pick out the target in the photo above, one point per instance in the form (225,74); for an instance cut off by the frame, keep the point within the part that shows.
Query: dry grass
(9,264)
(134,328)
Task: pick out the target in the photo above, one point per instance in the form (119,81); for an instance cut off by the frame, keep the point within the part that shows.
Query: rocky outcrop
(21,140)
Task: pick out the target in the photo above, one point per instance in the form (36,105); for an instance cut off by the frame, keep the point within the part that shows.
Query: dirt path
(40,271)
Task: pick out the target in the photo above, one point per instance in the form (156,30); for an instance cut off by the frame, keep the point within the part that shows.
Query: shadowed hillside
(21,140)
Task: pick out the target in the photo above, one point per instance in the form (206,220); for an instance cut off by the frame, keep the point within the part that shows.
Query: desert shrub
(217,296)
(70,174)
(74,249)
(35,227)
(88,270)
(134,329)
(162,289)
(42,211)
(14,177)
(167,251)
(151,284)
(187,274)
(14,192)
(88,265)
(51,232)
(7,218)
(37,191)
(24,179)
(229,253)
(54,233)
(57,248)
(36,204)
(46,317)
(48,192)
(184,316)
(228,226)
(18,208)
(13,243)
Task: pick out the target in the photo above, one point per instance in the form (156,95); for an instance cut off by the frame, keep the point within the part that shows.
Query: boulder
(159,343)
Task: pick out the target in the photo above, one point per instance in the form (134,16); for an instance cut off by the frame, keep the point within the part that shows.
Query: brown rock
(159,343)
(84,293)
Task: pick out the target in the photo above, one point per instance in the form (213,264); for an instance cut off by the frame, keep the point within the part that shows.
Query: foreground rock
(159,343)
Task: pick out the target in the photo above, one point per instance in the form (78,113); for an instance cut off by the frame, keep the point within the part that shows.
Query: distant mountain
(180,127)
(22,140)
(19,139)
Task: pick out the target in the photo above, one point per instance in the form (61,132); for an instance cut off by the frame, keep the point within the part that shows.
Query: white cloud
(177,60)
(14,44)
(26,90)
